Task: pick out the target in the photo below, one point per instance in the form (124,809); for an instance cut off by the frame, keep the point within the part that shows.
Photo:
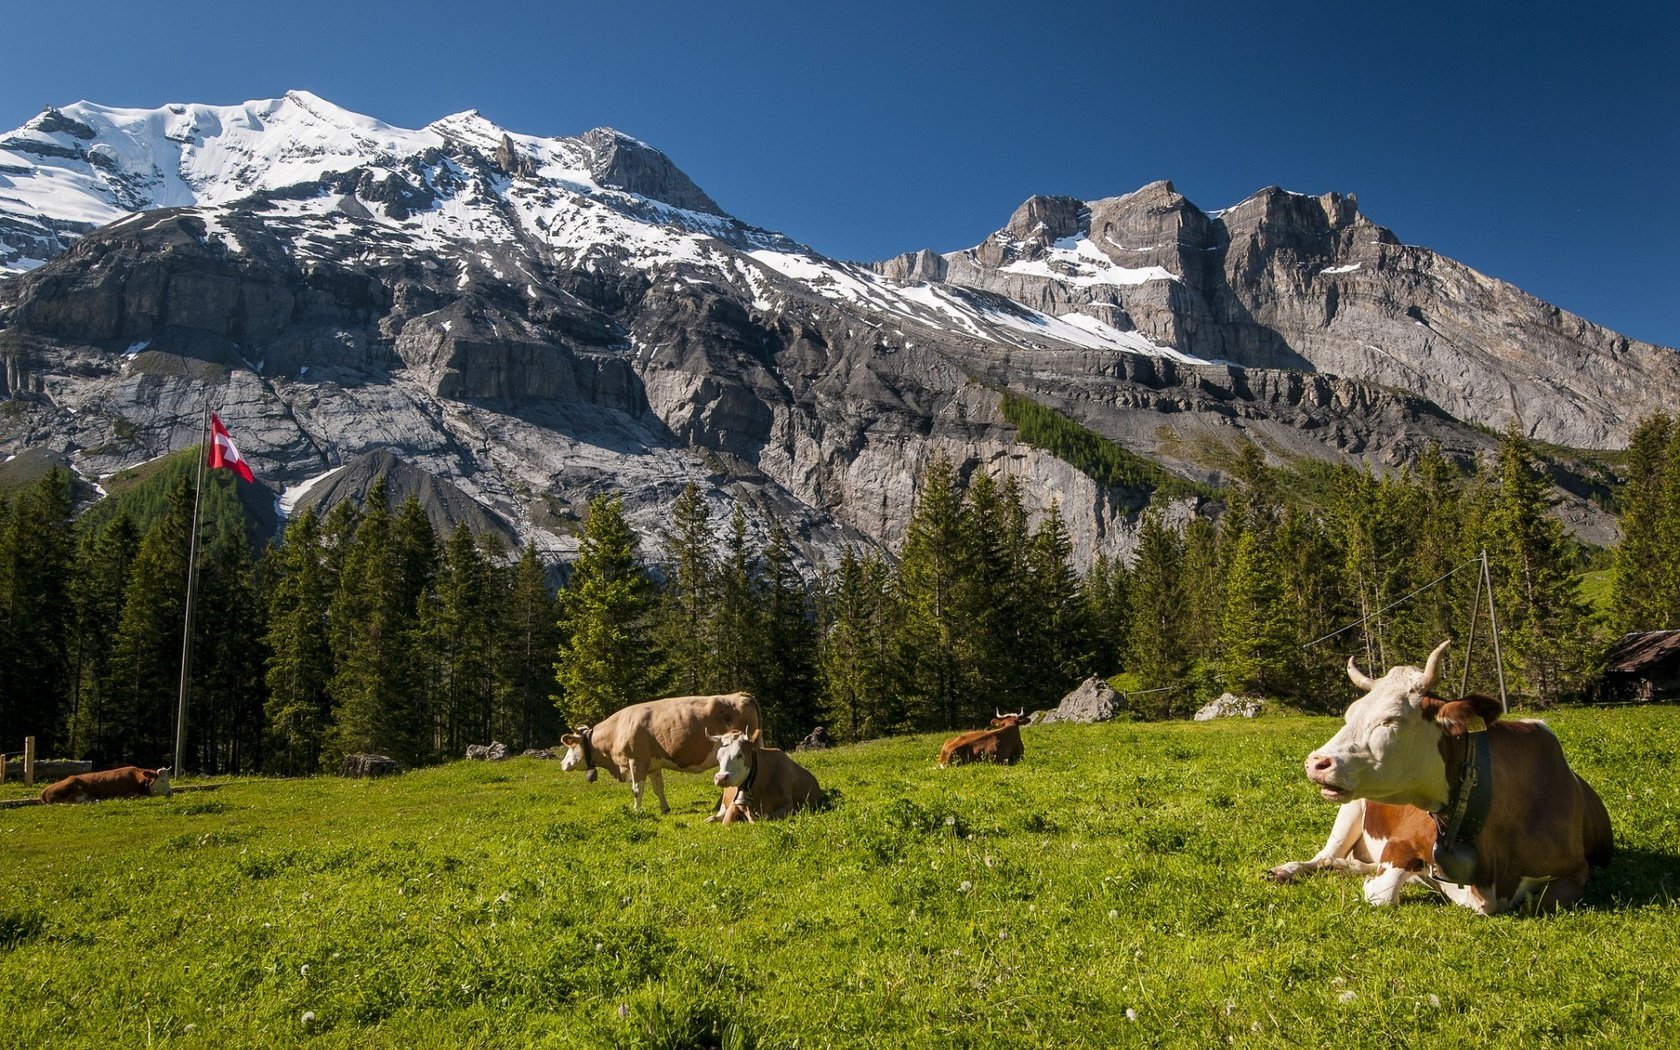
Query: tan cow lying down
(760,781)
(1000,743)
(1449,795)
(636,743)
(127,782)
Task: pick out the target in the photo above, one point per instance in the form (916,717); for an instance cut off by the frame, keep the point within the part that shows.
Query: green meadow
(1105,892)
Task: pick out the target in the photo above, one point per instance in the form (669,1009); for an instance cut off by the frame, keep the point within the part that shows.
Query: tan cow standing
(127,782)
(760,781)
(1450,795)
(636,743)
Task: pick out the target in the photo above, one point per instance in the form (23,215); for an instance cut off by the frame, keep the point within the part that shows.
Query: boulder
(536,752)
(819,740)
(1094,700)
(1229,705)
(367,766)
(494,751)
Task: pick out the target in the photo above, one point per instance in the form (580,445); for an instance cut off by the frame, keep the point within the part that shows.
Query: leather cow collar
(588,747)
(1468,804)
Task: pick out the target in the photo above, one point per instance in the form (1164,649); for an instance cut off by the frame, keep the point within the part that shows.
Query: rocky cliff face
(527,322)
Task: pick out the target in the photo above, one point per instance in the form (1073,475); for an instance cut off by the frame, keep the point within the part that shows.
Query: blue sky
(1538,142)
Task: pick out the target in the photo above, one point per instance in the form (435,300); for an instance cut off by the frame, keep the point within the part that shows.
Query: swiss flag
(223,452)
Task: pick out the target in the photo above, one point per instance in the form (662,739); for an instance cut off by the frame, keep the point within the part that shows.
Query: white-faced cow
(127,782)
(760,781)
(1000,743)
(1450,795)
(637,742)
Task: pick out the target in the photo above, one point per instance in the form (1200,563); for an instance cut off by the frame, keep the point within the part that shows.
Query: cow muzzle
(1321,772)
(720,779)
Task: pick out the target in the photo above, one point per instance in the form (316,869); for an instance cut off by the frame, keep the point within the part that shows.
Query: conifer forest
(366,630)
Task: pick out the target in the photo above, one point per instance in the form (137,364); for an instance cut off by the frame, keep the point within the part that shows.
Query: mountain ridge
(535,319)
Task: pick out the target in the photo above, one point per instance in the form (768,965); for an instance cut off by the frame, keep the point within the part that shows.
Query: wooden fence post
(28,761)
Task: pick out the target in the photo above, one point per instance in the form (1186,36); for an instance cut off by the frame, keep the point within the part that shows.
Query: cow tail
(753,712)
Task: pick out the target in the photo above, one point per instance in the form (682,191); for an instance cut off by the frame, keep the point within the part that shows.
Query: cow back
(672,732)
(1544,821)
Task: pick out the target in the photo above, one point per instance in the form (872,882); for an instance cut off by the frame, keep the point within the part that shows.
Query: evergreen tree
(1258,638)
(371,621)
(105,557)
(37,615)
(146,654)
(1059,615)
(607,657)
(689,597)
(298,709)
(225,713)
(458,631)
(1108,610)
(936,637)
(787,678)
(1159,655)
(1547,630)
(1644,595)
(528,714)
(736,624)
(992,600)
(862,622)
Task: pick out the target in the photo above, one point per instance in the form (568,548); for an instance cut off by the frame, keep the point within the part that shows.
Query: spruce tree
(689,598)
(736,630)
(1159,655)
(225,719)
(103,563)
(529,639)
(372,619)
(607,657)
(787,679)
(458,630)
(1547,628)
(1108,610)
(1258,638)
(1061,631)
(1643,596)
(861,623)
(300,666)
(37,615)
(146,654)
(935,643)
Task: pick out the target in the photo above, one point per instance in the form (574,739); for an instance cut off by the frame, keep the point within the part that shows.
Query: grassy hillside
(1106,891)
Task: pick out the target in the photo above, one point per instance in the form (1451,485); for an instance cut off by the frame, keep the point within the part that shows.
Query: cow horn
(1432,668)
(1357,677)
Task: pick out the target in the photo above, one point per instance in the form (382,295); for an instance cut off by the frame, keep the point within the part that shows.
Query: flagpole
(192,579)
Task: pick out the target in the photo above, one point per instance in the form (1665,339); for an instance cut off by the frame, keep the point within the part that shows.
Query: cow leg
(657,779)
(1384,887)
(636,775)
(1337,852)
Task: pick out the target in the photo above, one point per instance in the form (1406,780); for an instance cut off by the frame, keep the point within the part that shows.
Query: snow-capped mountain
(532,319)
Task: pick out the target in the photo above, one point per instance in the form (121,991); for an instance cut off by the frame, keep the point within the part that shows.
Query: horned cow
(126,782)
(636,743)
(1450,795)
(1000,743)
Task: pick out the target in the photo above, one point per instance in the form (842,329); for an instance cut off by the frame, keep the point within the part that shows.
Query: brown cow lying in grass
(1000,743)
(759,781)
(127,782)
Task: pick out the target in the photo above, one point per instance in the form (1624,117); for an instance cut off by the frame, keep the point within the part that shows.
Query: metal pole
(1493,623)
(192,575)
(1470,644)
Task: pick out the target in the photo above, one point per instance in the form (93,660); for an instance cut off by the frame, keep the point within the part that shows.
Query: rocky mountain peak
(618,161)
(1047,219)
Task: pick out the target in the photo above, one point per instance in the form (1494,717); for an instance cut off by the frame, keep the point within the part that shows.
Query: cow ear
(1471,714)
(570,739)
(1430,706)
(756,734)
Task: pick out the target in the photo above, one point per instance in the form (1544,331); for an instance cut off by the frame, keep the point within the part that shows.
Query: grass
(1106,891)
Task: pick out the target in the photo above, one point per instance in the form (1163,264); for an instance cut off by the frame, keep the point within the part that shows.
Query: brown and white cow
(1450,795)
(760,781)
(1000,743)
(637,742)
(127,782)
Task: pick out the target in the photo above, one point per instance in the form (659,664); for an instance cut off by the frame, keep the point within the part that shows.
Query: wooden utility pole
(28,761)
